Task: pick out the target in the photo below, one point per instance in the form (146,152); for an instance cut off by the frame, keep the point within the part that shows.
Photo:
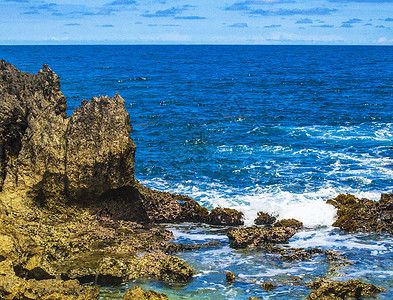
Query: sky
(322,22)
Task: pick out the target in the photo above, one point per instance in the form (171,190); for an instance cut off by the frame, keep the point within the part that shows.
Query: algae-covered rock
(230,277)
(259,236)
(226,216)
(293,223)
(264,219)
(138,294)
(365,215)
(268,286)
(14,287)
(353,289)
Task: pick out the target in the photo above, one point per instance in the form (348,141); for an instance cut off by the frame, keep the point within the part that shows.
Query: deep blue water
(273,128)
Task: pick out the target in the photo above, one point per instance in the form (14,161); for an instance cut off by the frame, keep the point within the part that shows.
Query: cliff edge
(86,159)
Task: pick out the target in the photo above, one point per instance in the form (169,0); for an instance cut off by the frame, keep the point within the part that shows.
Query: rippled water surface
(273,128)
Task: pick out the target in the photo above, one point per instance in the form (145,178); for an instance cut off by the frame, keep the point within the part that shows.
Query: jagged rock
(138,294)
(14,287)
(264,219)
(299,254)
(173,247)
(24,99)
(191,210)
(326,290)
(230,277)
(259,236)
(293,223)
(226,216)
(86,159)
(100,153)
(365,215)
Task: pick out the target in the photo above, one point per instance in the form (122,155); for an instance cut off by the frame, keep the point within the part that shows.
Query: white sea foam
(308,207)
(196,236)
(332,239)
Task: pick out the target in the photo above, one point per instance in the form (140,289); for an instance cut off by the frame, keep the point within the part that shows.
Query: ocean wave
(309,207)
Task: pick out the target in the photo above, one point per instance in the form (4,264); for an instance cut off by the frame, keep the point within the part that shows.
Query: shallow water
(369,257)
(273,128)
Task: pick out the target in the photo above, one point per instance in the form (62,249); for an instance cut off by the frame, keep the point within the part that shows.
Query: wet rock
(173,247)
(268,286)
(138,294)
(230,277)
(250,237)
(364,215)
(264,219)
(325,289)
(226,216)
(191,210)
(295,254)
(293,223)
(14,287)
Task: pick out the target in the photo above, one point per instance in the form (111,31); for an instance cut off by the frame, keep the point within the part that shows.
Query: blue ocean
(279,129)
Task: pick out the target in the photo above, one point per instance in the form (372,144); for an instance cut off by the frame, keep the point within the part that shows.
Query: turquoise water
(273,128)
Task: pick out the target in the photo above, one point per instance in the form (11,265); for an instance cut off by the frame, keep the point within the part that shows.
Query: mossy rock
(226,216)
(251,237)
(351,289)
(293,223)
(268,286)
(139,294)
(230,277)
(363,215)
(264,219)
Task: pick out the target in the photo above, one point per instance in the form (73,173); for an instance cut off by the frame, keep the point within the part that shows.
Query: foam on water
(309,207)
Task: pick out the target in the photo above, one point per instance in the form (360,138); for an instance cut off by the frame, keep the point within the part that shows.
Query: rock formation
(365,215)
(69,199)
(351,289)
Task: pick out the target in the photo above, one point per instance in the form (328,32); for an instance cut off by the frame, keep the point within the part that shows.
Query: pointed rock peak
(46,68)
(119,98)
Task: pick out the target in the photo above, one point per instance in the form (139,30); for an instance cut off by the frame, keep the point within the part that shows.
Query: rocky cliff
(44,152)
(69,199)
(86,159)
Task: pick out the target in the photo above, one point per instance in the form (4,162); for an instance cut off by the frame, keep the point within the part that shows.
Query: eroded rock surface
(251,237)
(264,219)
(138,294)
(352,289)
(69,199)
(365,215)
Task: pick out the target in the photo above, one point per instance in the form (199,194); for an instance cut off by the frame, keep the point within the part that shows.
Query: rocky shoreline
(72,212)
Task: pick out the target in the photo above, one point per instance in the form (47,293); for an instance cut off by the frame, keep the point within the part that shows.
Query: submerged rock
(250,237)
(264,219)
(365,215)
(325,289)
(230,277)
(138,294)
(268,286)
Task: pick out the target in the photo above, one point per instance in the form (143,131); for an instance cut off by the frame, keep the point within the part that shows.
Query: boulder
(250,237)
(230,277)
(264,219)
(351,289)
(354,215)
(226,216)
(138,294)
(293,223)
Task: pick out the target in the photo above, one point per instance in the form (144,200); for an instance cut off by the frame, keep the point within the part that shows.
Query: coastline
(90,209)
